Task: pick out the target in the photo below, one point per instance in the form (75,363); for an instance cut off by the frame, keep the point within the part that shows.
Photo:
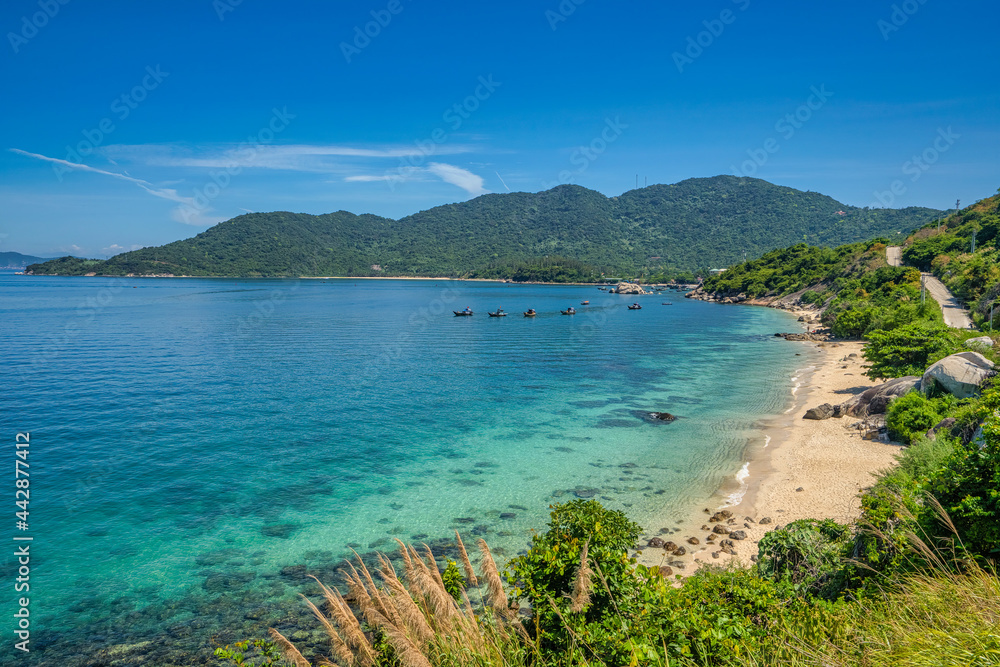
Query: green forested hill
(567,233)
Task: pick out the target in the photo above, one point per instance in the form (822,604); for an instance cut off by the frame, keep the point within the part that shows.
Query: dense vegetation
(861,293)
(945,248)
(655,232)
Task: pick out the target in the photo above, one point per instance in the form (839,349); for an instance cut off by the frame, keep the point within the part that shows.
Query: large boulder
(629,288)
(824,411)
(873,401)
(961,375)
(981,341)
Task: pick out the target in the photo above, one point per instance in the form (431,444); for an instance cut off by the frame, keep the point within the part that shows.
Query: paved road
(894,255)
(954,314)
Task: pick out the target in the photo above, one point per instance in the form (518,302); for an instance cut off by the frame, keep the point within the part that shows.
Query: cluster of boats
(531,312)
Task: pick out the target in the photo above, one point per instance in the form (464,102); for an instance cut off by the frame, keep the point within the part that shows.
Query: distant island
(15,260)
(566,234)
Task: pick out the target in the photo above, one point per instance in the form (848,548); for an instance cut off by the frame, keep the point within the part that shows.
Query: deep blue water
(193,437)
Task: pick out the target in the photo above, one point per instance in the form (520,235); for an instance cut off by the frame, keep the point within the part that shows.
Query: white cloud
(188,212)
(310,158)
(464,179)
(164,193)
(448,173)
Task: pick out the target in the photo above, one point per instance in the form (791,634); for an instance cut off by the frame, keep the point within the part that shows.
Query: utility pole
(923,291)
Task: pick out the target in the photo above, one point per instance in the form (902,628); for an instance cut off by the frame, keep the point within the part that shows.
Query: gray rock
(943,425)
(824,411)
(766,520)
(738,535)
(873,401)
(981,341)
(961,375)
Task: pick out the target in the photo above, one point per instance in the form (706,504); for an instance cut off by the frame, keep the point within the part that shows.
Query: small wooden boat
(462,313)
(498,313)
(635,306)
(667,303)
(570,311)
(530,312)
(584,303)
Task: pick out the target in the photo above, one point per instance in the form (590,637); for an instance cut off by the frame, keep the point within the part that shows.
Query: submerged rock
(282,530)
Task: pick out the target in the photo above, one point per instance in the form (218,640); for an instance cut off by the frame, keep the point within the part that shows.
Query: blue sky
(130,124)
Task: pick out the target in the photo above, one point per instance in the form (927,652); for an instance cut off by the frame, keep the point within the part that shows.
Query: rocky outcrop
(817,336)
(874,401)
(628,288)
(824,411)
(961,375)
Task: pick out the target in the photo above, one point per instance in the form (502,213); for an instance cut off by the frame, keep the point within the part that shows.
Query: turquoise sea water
(199,445)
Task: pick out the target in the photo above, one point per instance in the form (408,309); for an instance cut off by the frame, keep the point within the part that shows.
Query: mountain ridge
(568,231)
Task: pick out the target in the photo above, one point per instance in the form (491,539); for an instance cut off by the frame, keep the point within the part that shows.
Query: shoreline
(686,288)
(793,468)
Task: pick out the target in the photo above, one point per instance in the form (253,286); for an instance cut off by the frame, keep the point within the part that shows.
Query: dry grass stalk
(288,649)
(581,584)
(419,619)
(348,623)
(340,648)
(498,597)
(470,574)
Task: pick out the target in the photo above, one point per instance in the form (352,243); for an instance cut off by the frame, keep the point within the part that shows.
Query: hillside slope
(694,224)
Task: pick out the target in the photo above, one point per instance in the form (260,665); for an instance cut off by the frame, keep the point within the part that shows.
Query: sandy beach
(804,469)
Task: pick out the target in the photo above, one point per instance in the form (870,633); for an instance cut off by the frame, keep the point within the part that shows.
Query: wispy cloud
(165,193)
(464,179)
(449,173)
(311,158)
(179,214)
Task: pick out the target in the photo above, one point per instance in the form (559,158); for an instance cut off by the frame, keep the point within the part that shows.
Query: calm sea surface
(197,446)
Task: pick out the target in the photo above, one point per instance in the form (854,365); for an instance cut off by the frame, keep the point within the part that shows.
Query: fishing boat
(584,303)
(530,312)
(499,313)
(570,311)
(462,313)
(667,303)
(635,306)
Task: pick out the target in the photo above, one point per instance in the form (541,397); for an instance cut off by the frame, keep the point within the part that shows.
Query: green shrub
(910,416)
(906,350)
(808,553)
